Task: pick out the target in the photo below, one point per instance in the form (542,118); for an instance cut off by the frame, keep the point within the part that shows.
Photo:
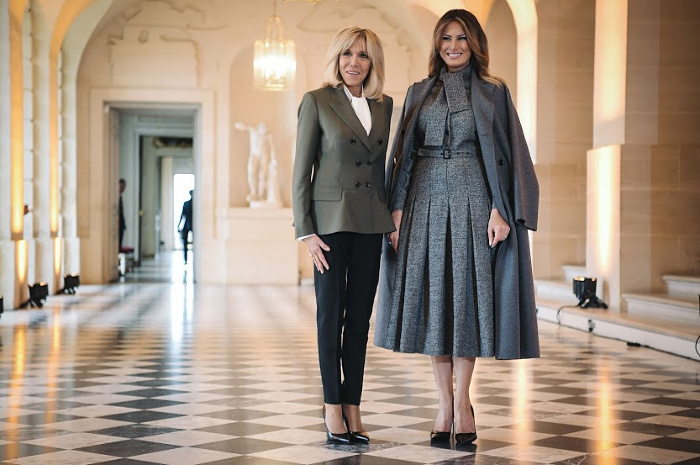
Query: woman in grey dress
(463,193)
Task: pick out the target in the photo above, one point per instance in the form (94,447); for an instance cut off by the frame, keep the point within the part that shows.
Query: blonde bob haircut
(373,86)
(476,39)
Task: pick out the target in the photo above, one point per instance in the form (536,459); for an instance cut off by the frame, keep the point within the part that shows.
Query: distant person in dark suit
(122,221)
(186,222)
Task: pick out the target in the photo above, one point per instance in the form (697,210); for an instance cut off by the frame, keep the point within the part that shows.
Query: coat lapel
(422,90)
(482,106)
(483,109)
(341,105)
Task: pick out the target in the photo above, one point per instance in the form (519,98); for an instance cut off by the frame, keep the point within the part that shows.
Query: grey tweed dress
(444,292)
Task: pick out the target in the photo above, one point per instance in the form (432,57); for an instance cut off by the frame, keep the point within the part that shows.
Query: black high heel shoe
(357,437)
(335,438)
(442,436)
(463,439)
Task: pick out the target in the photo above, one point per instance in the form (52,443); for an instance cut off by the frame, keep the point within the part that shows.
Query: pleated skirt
(443,302)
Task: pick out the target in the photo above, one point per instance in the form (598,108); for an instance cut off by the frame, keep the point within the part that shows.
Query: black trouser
(344,299)
(185,241)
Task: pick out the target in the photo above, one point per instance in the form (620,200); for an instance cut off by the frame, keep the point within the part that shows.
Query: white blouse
(361,107)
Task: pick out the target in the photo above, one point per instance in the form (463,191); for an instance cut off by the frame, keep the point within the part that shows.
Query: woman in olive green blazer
(340,214)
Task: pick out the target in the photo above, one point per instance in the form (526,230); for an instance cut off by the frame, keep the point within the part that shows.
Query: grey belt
(447,153)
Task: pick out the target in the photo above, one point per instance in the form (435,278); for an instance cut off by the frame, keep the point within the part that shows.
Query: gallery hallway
(173,373)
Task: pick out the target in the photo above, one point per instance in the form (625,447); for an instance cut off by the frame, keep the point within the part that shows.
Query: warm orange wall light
(17,9)
(21,270)
(607,175)
(603,214)
(21,260)
(57,261)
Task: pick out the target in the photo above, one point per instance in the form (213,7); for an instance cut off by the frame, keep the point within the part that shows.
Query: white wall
(152,47)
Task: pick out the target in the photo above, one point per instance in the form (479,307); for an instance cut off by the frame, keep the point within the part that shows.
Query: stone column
(644,168)
(43,242)
(564,122)
(45,21)
(69,165)
(7,247)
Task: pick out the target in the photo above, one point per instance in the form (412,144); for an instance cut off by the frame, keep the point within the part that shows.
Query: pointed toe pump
(335,438)
(466,438)
(441,436)
(356,437)
(359,437)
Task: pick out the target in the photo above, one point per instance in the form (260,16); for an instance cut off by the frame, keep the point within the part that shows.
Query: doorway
(156,145)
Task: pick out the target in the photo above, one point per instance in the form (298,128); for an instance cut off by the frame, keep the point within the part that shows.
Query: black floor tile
(140,416)
(650,428)
(146,404)
(127,448)
(242,445)
(135,431)
(684,445)
(240,429)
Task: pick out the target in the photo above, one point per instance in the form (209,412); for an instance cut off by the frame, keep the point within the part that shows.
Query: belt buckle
(446,154)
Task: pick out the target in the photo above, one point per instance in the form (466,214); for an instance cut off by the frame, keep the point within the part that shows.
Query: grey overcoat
(338,180)
(509,169)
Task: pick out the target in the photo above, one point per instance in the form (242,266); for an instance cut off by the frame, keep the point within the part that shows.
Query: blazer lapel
(379,122)
(341,105)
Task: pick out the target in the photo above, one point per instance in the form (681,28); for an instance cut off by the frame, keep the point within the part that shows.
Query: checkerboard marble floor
(178,374)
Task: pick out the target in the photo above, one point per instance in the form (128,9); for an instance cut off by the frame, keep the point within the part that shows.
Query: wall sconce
(70,283)
(38,292)
(584,290)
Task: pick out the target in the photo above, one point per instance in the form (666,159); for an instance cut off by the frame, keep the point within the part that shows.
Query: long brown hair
(476,39)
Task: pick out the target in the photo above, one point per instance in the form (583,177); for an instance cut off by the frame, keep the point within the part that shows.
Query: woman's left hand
(498,228)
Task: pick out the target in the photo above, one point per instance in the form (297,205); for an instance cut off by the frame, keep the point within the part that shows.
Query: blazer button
(358,163)
(353,141)
(380,141)
(369,162)
(500,162)
(403,132)
(368,184)
(358,184)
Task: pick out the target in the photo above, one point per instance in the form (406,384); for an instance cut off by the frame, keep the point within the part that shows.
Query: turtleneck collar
(466,71)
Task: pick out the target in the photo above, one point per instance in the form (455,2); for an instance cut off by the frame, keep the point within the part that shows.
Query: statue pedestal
(256,204)
(260,248)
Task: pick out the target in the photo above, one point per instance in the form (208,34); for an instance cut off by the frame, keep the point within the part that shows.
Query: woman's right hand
(316,247)
(396,215)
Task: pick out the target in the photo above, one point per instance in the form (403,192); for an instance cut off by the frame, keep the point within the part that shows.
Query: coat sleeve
(526,190)
(308,137)
(399,171)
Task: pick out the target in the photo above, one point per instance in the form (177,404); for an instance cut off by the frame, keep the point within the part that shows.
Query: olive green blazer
(338,180)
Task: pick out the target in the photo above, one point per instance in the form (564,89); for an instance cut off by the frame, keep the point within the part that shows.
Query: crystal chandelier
(274,61)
